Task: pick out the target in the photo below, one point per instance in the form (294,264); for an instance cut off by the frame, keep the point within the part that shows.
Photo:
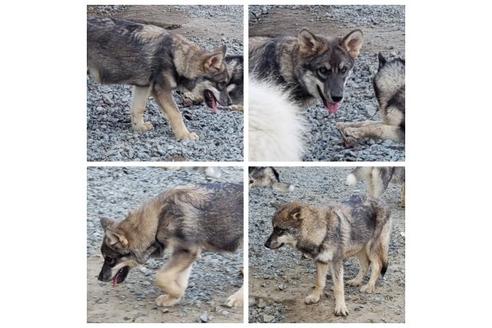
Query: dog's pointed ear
(352,42)
(308,42)
(381,60)
(107,223)
(115,237)
(296,213)
(213,61)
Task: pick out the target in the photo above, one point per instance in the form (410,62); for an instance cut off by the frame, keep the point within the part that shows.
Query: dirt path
(133,301)
(114,191)
(279,280)
(378,36)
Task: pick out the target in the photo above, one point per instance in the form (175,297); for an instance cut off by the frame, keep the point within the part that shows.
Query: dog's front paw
(341,310)
(312,298)
(340,125)
(348,141)
(235,300)
(143,127)
(188,136)
(166,300)
(368,289)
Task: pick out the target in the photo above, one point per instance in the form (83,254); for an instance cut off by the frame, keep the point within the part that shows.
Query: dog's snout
(268,243)
(336,98)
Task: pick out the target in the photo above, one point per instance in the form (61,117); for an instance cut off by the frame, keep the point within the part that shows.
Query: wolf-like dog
(186,220)
(310,66)
(358,227)
(276,126)
(378,179)
(155,62)
(262,176)
(389,87)
(208,91)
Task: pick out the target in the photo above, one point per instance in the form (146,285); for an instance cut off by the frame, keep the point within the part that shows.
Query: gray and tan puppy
(357,227)
(207,91)
(185,220)
(310,66)
(389,87)
(377,179)
(155,62)
(267,176)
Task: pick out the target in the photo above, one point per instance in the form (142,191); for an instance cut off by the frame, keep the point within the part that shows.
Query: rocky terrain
(384,31)
(111,193)
(109,133)
(279,280)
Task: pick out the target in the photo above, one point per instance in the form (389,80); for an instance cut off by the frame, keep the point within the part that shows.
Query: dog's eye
(343,70)
(279,231)
(323,71)
(110,260)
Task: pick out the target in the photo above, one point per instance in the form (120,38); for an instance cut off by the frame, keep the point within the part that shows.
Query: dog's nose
(336,98)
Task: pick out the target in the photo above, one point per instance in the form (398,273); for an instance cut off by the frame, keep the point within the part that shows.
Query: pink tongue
(333,107)
(214,106)
(114,281)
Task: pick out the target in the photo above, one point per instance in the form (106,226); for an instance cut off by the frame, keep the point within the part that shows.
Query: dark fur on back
(212,220)
(138,61)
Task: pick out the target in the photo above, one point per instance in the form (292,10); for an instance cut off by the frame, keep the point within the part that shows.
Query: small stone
(204,317)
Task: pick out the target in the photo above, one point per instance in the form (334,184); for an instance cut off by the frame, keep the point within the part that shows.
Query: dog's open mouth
(120,276)
(210,99)
(332,107)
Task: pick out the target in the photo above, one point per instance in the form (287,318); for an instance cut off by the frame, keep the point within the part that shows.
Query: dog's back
(122,52)
(208,216)
(276,128)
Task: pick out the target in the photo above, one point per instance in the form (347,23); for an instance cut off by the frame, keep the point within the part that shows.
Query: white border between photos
(246,162)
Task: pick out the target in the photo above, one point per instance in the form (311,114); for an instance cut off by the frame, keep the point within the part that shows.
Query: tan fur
(158,219)
(140,96)
(325,234)
(169,108)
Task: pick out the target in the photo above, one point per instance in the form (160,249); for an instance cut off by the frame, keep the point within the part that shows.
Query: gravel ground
(112,192)
(279,280)
(384,31)
(109,133)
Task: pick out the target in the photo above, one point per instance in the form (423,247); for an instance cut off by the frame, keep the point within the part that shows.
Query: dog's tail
(384,247)
(354,176)
(382,236)
(351,180)
(283,187)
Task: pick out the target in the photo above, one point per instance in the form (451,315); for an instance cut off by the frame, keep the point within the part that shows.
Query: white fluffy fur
(351,180)
(276,126)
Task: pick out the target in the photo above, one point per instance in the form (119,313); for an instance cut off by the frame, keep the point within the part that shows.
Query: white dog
(276,126)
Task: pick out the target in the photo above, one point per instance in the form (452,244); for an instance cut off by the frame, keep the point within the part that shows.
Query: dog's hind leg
(321,271)
(173,277)
(140,96)
(364,267)
(165,100)
(338,288)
